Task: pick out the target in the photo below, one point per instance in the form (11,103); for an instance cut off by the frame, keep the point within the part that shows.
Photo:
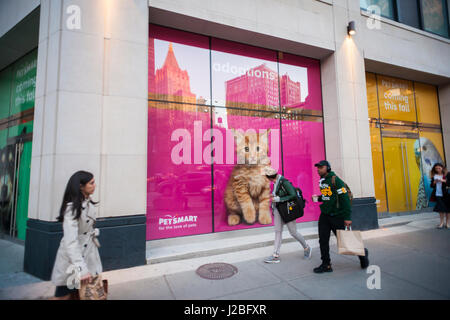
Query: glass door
(15,174)
(23,160)
(403,174)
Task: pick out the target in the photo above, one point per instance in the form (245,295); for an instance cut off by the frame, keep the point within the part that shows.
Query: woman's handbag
(350,242)
(97,289)
(290,210)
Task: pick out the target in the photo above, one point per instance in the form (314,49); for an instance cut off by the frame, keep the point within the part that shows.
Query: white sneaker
(272,259)
(308,253)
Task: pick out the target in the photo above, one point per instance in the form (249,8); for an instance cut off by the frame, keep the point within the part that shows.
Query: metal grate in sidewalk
(216,271)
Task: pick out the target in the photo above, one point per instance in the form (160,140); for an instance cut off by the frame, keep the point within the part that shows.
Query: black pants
(327,224)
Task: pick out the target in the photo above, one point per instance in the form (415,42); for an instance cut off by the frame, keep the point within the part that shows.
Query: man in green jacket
(335,213)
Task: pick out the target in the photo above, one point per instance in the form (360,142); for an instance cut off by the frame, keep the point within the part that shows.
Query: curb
(249,246)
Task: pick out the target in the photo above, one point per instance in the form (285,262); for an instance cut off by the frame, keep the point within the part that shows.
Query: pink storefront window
(179,198)
(178,66)
(251,140)
(300,84)
(303,146)
(218,112)
(244,76)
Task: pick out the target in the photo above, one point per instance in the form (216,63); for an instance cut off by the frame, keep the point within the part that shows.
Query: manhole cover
(216,271)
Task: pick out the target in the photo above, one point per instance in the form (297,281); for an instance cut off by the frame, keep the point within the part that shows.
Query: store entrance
(406,141)
(402,165)
(15,160)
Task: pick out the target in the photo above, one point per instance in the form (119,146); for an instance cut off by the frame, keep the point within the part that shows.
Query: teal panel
(24,83)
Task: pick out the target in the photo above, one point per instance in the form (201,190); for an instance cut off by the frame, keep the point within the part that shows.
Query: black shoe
(323,268)
(364,260)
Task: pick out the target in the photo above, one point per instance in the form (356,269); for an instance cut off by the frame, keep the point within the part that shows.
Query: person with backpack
(283,191)
(335,213)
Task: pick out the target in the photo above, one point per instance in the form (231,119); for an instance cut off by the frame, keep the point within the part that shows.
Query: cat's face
(252,147)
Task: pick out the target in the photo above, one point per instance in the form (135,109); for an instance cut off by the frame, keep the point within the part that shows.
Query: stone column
(347,132)
(90,114)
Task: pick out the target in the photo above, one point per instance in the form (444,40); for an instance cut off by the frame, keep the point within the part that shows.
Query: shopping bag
(97,289)
(350,242)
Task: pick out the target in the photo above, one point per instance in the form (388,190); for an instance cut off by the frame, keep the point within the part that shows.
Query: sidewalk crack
(298,290)
(170,288)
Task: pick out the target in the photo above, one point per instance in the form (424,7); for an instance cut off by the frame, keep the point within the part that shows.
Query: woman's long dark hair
(433,170)
(73,194)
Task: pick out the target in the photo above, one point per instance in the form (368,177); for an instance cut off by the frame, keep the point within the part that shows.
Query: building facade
(162,99)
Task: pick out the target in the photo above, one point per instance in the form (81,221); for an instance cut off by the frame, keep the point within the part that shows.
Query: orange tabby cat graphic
(247,195)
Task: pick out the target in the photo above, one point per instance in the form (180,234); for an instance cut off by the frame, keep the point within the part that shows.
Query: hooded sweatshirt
(329,197)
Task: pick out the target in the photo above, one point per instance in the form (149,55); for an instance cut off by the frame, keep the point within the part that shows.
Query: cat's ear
(264,134)
(239,135)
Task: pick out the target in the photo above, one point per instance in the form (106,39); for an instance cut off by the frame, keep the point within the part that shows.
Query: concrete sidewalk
(413,256)
(11,265)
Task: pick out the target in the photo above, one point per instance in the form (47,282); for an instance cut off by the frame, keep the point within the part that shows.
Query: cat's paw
(249,216)
(233,220)
(265,218)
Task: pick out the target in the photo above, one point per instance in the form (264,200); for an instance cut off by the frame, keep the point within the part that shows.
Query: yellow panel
(414,172)
(427,103)
(402,173)
(372,99)
(394,174)
(378,171)
(396,99)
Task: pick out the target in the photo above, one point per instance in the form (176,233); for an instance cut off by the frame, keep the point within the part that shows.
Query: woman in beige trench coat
(78,255)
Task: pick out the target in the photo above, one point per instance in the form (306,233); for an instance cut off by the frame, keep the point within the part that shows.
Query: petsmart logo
(169,220)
